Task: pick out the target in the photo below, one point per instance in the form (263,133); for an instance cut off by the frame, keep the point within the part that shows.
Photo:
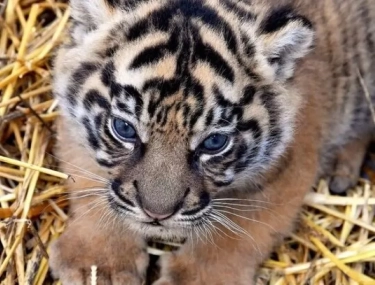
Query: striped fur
(179,71)
(276,77)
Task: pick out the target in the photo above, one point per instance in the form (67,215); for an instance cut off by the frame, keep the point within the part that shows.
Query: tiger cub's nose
(155,216)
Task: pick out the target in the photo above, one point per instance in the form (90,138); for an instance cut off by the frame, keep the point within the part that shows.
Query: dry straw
(335,243)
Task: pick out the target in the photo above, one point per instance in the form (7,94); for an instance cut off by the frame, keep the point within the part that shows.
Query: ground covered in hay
(334,243)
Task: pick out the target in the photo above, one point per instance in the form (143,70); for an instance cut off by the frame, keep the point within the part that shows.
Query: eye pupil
(215,142)
(124,130)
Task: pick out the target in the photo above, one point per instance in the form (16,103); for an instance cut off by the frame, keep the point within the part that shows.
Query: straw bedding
(334,243)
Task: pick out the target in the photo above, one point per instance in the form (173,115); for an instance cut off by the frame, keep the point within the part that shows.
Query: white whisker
(249,219)
(234,228)
(247,200)
(75,167)
(232,208)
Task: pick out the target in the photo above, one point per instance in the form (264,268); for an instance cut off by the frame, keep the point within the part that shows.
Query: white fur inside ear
(287,45)
(94,12)
(293,41)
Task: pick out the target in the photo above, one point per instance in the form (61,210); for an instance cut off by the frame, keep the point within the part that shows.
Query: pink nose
(157,216)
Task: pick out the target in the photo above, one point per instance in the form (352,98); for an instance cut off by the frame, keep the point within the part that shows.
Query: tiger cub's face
(180,100)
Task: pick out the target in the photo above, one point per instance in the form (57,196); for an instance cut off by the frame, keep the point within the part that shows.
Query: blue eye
(124,130)
(215,143)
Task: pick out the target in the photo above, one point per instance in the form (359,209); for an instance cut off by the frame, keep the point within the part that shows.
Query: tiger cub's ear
(285,37)
(89,14)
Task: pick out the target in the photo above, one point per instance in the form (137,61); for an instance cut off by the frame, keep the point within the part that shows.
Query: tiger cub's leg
(347,166)
(119,257)
(94,234)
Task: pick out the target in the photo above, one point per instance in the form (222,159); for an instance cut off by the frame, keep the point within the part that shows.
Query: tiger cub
(207,121)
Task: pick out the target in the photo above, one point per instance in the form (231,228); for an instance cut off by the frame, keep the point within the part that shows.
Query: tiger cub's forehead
(165,98)
(178,67)
(178,77)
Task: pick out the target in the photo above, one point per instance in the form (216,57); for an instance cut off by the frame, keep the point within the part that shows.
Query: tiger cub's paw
(118,259)
(347,166)
(204,267)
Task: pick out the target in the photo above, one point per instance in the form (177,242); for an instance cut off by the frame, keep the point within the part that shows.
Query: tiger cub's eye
(124,130)
(214,143)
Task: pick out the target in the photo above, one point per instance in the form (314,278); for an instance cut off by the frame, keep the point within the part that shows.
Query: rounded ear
(89,14)
(285,37)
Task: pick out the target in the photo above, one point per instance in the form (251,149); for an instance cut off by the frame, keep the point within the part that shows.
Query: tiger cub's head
(180,100)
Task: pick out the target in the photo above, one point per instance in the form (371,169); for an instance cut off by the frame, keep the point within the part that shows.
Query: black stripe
(93,97)
(195,9)
(114,3)
(209,117)
(249,47)
(155,53)
(118,206)
(241,150)
(248,95)
(195,116)
(79,76)
(91,137)
(218,159)
(85,70)
(221,101)
(250,73)
(123,107)
(165,89)
(116,144)
(274,113)
(239,11)
(160,20)
(149,56)
(222,183)
(207,53)
(245,163)
(250,125)
(106,163)
(109,52)
(131,91)
(116,187)
(108,79)
(71,94)
(98,121)
(165,115)
(107,76)
(280,17)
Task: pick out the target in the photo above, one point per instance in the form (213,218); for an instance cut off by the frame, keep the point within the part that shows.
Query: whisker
(235,228)
(75,167)
(231,226)
(201,233)
(74,172)
(247,200)
(96,204)
(249,219)
(104,219)
(208,234)
(87,178)
(87,190)
(71,198)
(220,231)
(197,234)
(254,206)
(210,228)
(235,204)
(240,210)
